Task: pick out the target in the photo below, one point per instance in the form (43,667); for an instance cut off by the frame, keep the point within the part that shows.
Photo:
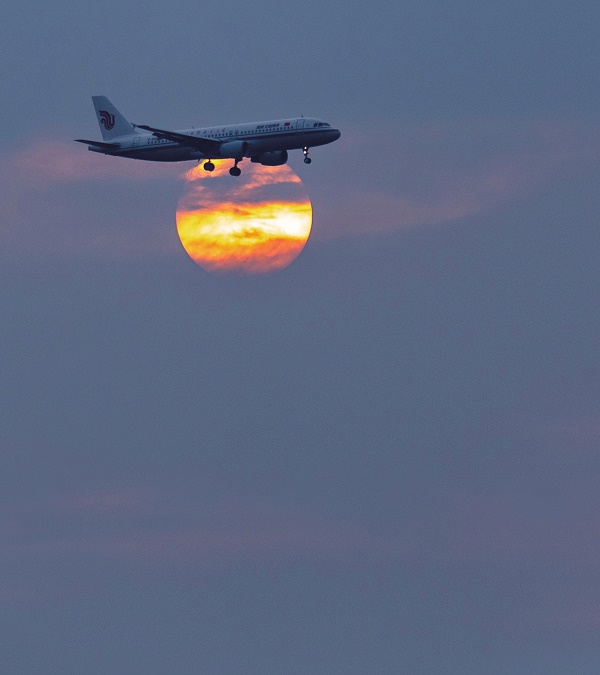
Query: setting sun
(253,224)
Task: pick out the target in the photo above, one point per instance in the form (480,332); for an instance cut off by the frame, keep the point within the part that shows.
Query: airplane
(264,143)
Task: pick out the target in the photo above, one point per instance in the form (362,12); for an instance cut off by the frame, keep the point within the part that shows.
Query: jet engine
(233,150)
(275,158)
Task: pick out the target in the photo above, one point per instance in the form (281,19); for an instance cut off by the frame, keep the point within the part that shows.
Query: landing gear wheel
(235,171)
(307,160)
(209,166)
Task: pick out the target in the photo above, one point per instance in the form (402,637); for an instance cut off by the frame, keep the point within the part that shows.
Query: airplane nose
(335,134)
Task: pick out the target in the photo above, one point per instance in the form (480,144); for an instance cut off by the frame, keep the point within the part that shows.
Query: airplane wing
(99,144)
(205,145)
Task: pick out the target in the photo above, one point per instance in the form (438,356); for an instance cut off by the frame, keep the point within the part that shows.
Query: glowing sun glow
(253,224)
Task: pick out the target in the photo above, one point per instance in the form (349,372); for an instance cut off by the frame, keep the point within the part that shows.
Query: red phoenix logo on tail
(106,119)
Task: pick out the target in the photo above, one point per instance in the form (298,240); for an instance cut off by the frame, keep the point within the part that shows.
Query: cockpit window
(320,124)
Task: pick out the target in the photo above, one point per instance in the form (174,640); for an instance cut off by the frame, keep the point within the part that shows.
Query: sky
(381,459)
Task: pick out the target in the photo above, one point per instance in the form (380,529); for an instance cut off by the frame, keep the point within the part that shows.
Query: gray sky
(382,459)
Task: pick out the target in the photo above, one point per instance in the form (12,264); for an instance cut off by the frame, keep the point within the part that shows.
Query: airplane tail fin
(112,123)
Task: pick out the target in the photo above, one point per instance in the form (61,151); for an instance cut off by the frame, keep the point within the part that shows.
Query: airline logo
(106,119)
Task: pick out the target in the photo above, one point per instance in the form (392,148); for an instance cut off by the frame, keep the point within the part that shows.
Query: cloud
(508,531)
(59,200)
(135,525)
(48,162)
(129,526)
(584,428)
(144,533)
(426,174)
(268,175)
(130,500)
(575,617)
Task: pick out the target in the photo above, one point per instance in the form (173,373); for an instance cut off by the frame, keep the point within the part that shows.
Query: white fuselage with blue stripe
(249,140)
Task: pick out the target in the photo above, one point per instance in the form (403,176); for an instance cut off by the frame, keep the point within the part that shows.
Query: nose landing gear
(209,166)
(307,159)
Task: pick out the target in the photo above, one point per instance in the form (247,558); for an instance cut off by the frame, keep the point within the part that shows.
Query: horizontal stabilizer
(99,144)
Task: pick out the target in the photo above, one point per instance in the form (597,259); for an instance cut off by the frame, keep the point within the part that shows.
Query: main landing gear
(234,171)
(307,159)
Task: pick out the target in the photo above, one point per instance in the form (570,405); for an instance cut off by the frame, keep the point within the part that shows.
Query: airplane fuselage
(247,140)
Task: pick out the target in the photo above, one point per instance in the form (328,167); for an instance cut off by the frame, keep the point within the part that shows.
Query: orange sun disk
(253,224)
